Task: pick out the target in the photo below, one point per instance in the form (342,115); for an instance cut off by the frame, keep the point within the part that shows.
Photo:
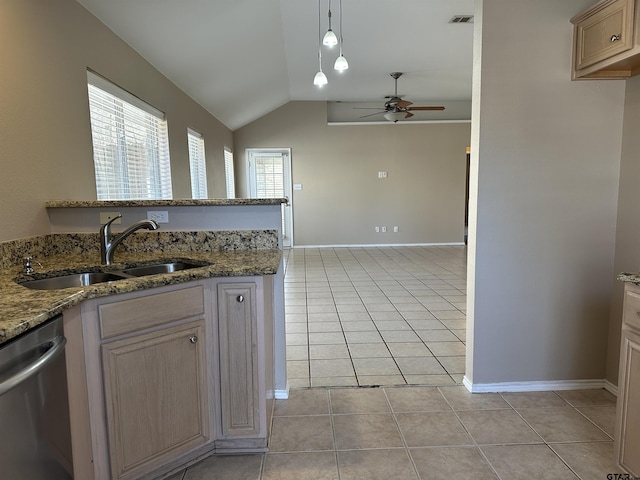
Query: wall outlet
(384,229)
(382,174)
(395,229)
(106,216)
(159,216)
(377,229)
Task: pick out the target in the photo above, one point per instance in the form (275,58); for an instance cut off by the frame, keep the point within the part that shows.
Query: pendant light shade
(320,79)
(341,63)
(330,39)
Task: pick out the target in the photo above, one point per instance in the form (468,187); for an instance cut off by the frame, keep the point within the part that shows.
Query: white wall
(45,135)
(546,157)
(627,258)
(342,199)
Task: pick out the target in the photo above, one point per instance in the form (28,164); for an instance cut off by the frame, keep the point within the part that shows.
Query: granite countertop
(630,277)
(22,308)
(187,202)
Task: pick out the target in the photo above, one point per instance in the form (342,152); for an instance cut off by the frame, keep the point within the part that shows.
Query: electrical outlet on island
(159,216)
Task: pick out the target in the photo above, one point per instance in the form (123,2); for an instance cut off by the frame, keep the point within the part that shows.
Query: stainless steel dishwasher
(35,439)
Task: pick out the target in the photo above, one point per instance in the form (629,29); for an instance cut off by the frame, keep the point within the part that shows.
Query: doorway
(270,177)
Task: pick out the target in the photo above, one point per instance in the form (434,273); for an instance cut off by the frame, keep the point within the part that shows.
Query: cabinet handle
(615,38)
(193,338)
(240,298)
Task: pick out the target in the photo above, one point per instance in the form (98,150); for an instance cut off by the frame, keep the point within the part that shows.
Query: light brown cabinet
(156,397)
(160,378)
(627,441)
(605,41)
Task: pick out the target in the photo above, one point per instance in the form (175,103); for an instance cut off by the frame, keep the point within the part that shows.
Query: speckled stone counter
(630,277)
(187,202)
(222,254)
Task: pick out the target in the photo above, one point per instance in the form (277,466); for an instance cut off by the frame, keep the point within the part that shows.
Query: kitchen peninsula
(197,328)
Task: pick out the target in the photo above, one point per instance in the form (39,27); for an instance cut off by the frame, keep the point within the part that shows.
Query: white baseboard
(611,388)
(375,245)
(282,394)
(538,386)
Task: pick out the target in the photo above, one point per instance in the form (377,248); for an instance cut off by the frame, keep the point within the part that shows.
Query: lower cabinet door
(628,427)
(237,324)
(156,398)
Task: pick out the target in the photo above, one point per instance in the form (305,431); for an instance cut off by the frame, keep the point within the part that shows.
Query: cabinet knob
(240,298)
(193,338)
(615,38)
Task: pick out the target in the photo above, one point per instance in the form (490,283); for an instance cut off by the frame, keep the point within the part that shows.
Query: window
(197,165)
(228,170)
(130,144)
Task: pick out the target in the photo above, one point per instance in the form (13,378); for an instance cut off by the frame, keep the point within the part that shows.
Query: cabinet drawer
(603,31)
(149,311)
(631,310)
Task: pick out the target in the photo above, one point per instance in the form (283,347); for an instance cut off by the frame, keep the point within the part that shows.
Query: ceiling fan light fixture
(341,64)
(394,116)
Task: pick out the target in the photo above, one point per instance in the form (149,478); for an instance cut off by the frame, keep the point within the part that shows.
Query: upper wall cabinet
(605,41)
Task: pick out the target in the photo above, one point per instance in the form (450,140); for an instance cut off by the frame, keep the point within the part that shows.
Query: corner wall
(45,135)
(627,258)
(342,199)
(546,152)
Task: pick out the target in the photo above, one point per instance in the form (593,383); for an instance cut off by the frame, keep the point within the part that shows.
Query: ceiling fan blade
(372,114)
(425,108)
(408,115)
(403,103)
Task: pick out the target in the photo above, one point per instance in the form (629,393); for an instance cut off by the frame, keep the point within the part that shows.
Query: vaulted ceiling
(241,59)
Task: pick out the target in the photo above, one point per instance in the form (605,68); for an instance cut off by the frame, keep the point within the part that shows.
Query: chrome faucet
(108,242)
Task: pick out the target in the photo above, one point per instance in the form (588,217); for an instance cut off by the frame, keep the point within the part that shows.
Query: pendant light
(330,39)
(320,79)
(341,63)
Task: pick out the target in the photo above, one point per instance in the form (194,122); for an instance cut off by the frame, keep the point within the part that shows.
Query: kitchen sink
(84,279)
(169,267)
(72,280)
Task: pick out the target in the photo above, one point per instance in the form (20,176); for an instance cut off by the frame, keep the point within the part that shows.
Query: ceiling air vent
(462,19)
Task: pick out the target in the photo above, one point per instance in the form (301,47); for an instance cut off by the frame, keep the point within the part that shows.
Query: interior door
(270,177)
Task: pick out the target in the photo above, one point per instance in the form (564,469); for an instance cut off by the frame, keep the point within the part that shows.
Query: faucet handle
(108,224)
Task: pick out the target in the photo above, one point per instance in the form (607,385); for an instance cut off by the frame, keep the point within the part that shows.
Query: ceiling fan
(395,108)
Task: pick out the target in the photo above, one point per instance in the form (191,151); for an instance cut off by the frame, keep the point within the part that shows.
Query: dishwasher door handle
(55,348)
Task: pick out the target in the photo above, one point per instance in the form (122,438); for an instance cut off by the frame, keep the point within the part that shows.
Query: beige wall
(342,199)
(546,157)
(627,257)
(45,139)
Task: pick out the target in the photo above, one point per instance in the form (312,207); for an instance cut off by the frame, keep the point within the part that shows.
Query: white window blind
(269,176)
(130,144)
(229,175)
(197,164)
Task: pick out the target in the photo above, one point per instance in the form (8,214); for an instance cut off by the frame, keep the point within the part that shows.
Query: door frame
(287,209)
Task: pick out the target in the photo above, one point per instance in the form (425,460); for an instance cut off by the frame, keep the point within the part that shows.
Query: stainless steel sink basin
(72,280)
(169,267)
(84,279)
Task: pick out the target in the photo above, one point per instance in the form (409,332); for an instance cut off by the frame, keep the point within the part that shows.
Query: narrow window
(229,175)
(197,165)
(130,144)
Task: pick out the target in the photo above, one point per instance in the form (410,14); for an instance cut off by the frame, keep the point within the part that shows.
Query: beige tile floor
(375,316)
(394,318)
(426,432)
